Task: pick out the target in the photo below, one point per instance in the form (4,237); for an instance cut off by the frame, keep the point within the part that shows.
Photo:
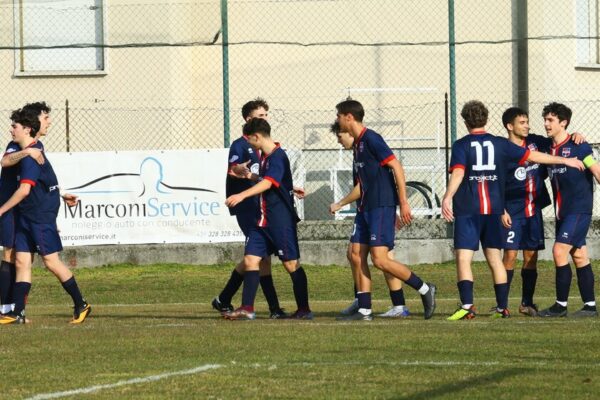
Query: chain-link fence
(126,75)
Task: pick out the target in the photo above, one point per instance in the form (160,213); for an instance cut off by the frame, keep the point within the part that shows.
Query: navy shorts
(375,227)
(32,237)
(246,221)
(8,229)
(282,241)
(572,229)
(469,230)
(525,233)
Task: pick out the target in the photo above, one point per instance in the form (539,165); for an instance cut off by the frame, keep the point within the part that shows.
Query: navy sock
(414,281)
(7,281)
(529,277)
(585,281)
(300,284)
(364,300)
(70,286)
(465,291)
(231,287)
(563,282)
(397,297)
(509,277)
(266,283)
(251,281)
(21,291)
(501,290)
(355,292)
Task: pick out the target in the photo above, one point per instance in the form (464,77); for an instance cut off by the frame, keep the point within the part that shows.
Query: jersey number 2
(479,165)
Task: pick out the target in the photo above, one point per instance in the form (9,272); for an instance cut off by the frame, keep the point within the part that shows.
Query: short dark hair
(562,112)
(257,125)
(38,107)
(351,107)
(28,118)
(508,117)
(254,105)
(335,128)
(475,114)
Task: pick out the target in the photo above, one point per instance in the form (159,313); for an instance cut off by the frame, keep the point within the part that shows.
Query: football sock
(465,291)
(251,281)
(501,290)
(6,282)
(266,283)
(397,297)
(564,275)
(509,277)
(414,282)
(300,285)
(70,286)
(231,287)
(529,277)
(364,301)
(355,292)
(585,281)
(21,291)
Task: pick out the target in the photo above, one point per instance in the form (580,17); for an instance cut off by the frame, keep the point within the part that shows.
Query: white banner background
(145,197)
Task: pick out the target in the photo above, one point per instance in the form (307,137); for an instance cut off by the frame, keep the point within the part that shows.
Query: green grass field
(153,335)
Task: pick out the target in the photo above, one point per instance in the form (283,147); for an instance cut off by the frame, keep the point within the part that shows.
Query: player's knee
(379,261)
(559,254)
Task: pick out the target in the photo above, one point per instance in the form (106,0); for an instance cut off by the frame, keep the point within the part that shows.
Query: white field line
(134,381)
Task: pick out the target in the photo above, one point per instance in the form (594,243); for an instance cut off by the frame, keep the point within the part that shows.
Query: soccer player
(276,228)
(38,199)
(478,175)
(357,255)
(381,187)
(242,160)
(573,200)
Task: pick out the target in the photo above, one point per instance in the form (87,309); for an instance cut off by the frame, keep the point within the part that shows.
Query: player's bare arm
(455,179)
(260,187)
(577,138)
(12,159)
(543,158)
(398,170)
(349,198)
(18,196)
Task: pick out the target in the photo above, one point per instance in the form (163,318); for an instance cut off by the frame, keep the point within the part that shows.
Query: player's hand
(334,207)
(398,223)
(578,138)
(70,199)
(574,162)
(447,209)
(299,192)
(506,220)
(234,200)
(36,154)
(405,215)
(240,170)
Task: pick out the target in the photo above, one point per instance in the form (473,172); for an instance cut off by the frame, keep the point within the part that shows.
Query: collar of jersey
(359,138)
(277,145)
(478,132)
(563,142)
(32,143)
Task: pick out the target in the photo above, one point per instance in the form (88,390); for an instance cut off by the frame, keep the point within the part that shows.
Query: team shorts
(572,229)
(246,221)
(281,241)
(32,237)
(8,229)
(375,227)
(469,230)
(525,233)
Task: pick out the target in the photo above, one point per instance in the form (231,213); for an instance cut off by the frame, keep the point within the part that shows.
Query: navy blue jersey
(485,159)
(573,189)
(41,206)
(526,192)
(8,177)
(240,152)
(377,184)
(277,203)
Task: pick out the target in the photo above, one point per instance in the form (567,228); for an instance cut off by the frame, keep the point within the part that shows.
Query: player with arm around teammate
(474,200)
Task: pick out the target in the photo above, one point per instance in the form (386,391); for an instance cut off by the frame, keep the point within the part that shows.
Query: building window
(61,37)
(586,28)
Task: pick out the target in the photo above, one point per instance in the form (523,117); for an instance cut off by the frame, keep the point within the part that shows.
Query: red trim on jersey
(262,221)
(273,181)
(530,196)
(457,166)
(32,183)
(361,134)
(387,160)
(561,143)
(525,157)
(484,198)
(558,202)
(478,132)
